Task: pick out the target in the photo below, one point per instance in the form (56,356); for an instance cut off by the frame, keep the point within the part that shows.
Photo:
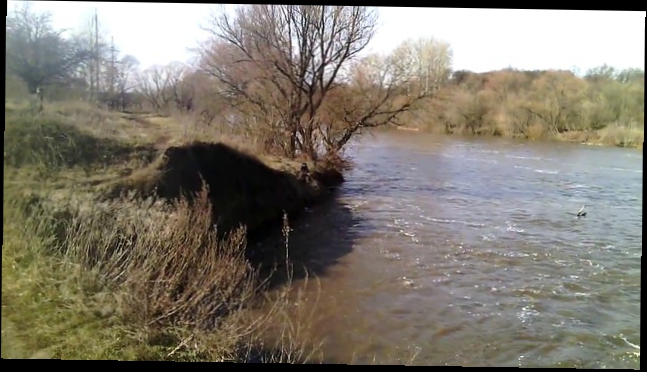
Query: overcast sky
(482,39)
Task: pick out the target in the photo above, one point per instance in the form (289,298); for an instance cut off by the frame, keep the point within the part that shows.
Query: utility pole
(92,63)
(113,66)
(97,50)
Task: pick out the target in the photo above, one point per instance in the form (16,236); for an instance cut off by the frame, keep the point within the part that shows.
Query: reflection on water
(467,253)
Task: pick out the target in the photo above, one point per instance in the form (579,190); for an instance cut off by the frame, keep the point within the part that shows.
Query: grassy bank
(108,249)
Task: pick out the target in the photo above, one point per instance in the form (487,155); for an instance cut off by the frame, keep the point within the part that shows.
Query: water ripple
(468,253)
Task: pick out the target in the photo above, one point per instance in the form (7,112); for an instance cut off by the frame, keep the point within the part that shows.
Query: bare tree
(40,55)
(285,59)
(181,89)
(380,88)
(125,83)
(429,60)
(555,99)
(295,70)
(157,85)
(206,101)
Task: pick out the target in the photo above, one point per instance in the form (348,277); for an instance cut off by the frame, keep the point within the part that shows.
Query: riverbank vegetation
(605,106)
(108,245)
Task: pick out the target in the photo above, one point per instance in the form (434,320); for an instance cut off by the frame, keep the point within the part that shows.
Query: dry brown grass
(616,135)
(135,128)
(131,280)
(579,137)
(622,135)
(123,278)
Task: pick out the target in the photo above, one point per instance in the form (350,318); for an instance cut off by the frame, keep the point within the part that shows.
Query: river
(467,252)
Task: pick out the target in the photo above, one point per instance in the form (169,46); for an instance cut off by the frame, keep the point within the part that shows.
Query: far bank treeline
(298,79)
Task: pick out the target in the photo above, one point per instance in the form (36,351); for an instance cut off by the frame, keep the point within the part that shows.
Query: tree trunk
(292,147)
(40,99)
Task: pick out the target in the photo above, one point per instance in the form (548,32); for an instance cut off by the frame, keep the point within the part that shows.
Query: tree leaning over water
(297,72)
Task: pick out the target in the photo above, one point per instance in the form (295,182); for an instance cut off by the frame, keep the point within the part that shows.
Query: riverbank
(97,264)
(612,136)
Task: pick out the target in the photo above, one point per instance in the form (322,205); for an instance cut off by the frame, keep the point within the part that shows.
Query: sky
(481,39)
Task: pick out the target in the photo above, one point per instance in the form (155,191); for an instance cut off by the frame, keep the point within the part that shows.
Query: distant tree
(38,54)
(604,72)
(125,82)
(631,75)
(429,60)
(555,99)
(166,87)
(460,76)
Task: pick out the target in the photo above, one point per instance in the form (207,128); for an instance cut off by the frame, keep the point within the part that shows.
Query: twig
(183,343)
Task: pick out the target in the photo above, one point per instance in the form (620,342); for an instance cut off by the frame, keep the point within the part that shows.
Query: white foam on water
(448,221)
(407,233)
(512,227)
(528,158)
(624,170)
(527,313)
(392,255)
(546,171)
(623,338)
(637,347)
(488,238)
(407,282)
(469,159)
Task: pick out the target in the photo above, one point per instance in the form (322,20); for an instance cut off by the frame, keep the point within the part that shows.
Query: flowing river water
(468,252)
